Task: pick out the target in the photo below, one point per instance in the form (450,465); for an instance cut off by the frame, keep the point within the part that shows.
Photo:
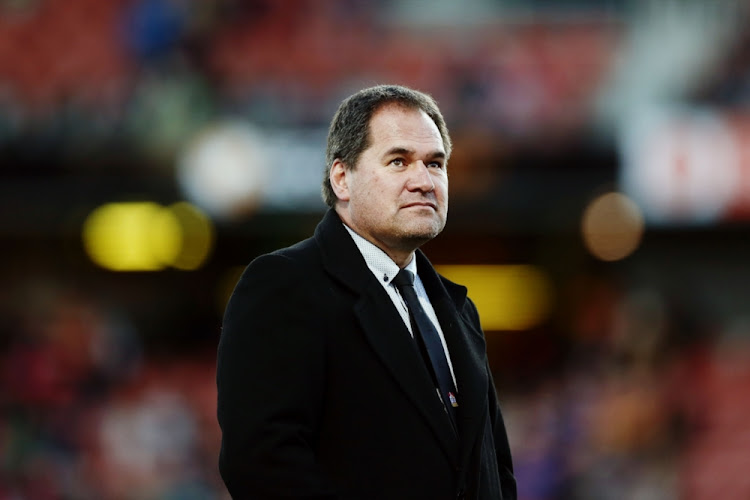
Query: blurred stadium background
(600,207)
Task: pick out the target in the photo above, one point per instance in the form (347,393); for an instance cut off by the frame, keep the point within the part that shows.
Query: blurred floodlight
(612,227)
(223,169)
(134,236)
(145,236)
(197,236)
(508,297)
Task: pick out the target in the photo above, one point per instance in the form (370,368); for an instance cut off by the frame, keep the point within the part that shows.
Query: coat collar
(389,337)
(343,260)
(341,257)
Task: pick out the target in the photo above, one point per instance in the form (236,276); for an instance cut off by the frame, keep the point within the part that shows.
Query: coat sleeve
(270,381)
(502,447)
(499,432)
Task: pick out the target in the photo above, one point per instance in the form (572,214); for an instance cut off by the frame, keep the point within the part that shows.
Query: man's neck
(401,259)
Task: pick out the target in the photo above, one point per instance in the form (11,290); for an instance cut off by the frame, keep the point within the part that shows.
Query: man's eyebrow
(398,150)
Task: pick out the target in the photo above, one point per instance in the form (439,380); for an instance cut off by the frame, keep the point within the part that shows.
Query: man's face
(397,194)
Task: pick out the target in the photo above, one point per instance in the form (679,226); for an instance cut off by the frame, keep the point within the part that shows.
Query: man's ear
(338,178)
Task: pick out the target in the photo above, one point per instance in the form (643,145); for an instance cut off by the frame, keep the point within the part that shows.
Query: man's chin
(422,234)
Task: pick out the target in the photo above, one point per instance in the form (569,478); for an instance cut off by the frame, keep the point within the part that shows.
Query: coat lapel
(394,345)
(384,329)
(467,349)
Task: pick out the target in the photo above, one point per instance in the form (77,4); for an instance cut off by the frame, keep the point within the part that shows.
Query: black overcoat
(322,394)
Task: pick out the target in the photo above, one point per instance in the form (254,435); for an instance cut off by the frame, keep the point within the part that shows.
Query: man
(331,383)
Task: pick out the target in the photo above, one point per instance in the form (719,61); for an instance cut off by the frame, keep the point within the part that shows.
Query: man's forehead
(404,127)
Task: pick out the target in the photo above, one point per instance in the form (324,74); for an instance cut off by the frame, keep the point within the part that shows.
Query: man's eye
(435,164)
(398,162)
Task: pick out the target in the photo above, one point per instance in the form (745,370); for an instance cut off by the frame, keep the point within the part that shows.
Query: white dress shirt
(385,270)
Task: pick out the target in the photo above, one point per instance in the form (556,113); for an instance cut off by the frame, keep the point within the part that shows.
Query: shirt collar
(378,261)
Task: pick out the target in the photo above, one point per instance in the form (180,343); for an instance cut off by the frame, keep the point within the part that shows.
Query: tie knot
(403,278)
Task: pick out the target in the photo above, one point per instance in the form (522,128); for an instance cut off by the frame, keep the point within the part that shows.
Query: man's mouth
(427,204)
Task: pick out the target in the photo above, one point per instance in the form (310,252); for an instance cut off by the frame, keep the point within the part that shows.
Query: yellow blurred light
(612,227)
(508,297)
(165,236)
(197,236)
(132,236)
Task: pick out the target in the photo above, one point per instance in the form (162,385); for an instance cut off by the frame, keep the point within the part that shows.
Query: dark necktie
(424,330)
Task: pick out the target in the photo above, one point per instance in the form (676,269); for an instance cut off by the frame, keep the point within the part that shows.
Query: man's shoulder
(300,251)
(329,254)
(299,258)
(307,251)
(285,273)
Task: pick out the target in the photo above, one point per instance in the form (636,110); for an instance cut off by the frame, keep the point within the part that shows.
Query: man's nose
(420,178)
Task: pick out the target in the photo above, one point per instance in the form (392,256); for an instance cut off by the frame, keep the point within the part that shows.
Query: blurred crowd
(644,400)
(153,70)
(86,414)
(647,402)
